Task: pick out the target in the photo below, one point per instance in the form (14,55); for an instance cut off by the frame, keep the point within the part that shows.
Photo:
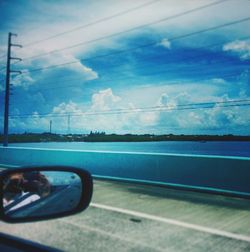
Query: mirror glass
(40,193)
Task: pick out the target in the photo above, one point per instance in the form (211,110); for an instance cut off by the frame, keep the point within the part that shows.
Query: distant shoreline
(102,137)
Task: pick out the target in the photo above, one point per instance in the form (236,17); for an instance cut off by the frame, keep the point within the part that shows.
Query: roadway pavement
(129,217)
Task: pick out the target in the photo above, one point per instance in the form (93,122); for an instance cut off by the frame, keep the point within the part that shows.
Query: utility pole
(69,124)
(50,126)
(7,88)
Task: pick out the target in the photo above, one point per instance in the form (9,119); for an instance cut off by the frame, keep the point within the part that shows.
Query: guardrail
(227,175)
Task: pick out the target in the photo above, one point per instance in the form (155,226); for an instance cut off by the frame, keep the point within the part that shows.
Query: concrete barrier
(215,173)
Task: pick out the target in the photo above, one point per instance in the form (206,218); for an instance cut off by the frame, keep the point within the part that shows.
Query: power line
(144,58)
(146,45)
(138,67)
(38,116)
(149,58)
(131,29)
(108,81)
(94,22)
(132,77)
(211,76)
(161,108)
(112,79)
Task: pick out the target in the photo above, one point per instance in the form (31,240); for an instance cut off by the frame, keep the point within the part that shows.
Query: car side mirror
(41,193)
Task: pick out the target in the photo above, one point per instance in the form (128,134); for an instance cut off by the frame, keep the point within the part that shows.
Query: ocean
(241,149)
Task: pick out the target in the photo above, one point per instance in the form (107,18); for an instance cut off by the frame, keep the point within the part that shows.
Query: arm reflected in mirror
(39,193)
(20,189)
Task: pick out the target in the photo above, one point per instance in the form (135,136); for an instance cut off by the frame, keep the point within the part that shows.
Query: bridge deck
(130,217)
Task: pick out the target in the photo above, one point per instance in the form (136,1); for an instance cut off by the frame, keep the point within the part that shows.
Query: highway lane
(100,229)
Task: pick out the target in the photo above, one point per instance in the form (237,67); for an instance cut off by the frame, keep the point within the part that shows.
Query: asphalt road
(127,217)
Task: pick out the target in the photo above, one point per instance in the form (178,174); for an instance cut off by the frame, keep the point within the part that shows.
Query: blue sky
(125,75)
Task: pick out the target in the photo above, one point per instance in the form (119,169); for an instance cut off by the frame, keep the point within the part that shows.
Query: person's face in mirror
(12,186)
(17,184)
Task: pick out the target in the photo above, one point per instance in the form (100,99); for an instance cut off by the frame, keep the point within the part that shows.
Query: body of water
(241,149)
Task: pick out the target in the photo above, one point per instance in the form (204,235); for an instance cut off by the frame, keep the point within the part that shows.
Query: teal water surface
(241,149)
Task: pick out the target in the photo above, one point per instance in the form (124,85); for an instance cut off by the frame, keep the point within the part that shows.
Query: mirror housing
(42,193)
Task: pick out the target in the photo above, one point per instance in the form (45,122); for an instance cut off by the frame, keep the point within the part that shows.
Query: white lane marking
(4,166)
(175,222)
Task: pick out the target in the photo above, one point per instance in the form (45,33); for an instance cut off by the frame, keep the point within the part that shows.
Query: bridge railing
(227,175)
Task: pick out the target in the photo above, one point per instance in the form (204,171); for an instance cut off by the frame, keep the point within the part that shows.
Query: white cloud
(67,108)
(163,120)
(219,118)
(32,124)
(183,98)
(104,99)
(173,101)
(148,118)
(59,58)
(98,117)
(84,119)
(23,80)
(81,13)
(62,57)
(28,78)
(3,52)
(218,81)
(242,48)
(170,117)
(165,43)
(77,13)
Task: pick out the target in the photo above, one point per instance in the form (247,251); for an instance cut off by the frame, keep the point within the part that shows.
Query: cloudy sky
(141,66)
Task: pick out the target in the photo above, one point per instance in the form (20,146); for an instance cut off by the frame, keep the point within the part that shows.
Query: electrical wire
(94,22)
(108,81)
(132,77)
(189,106)
(147,59)
(129,30)
(146,45)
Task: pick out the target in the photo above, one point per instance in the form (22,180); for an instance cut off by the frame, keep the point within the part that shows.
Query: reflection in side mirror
(45,192)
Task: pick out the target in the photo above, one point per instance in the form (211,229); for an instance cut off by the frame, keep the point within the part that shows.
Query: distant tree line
(103,137)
